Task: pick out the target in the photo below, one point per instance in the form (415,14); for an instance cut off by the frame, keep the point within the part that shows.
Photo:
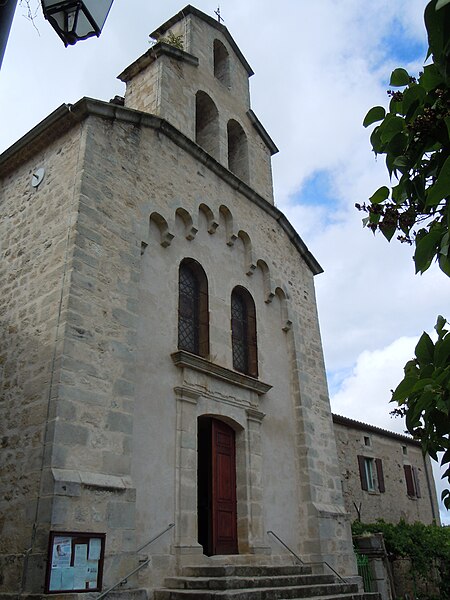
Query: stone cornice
(262,132)
(68,115)
(185,359)
(159,49)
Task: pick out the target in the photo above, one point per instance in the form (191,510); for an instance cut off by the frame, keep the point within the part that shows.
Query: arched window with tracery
(193,313)
(243,332)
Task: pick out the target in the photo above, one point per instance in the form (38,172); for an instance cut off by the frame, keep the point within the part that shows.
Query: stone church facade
(160,350)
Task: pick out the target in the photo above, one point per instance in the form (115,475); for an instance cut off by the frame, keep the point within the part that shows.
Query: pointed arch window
(193,314)
(243,332)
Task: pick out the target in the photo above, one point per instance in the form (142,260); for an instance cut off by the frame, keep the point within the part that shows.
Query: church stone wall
(36,240)
(296,409)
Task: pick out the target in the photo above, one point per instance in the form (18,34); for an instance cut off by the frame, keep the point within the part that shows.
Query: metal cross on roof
(217,12)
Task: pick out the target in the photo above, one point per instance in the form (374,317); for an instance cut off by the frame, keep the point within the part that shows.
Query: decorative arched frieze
(231,236)
(189,230)
(165,236)
(268,293)
(250,266)
(213,224)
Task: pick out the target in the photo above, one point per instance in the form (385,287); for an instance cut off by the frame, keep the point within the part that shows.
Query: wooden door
(224,515)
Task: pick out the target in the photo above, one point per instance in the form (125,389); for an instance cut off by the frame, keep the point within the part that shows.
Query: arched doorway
(216,487)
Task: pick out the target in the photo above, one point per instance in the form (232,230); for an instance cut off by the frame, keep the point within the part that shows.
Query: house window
(371,474)
(412,481)
(193,316)
(367,440)
(243,332)
(404,450)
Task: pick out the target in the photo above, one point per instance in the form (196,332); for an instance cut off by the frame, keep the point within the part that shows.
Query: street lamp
(75,20)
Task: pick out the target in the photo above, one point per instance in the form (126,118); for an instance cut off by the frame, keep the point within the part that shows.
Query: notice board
(75,562)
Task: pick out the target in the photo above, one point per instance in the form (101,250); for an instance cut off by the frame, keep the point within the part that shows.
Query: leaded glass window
(239,333)
(193,321)
(243,332)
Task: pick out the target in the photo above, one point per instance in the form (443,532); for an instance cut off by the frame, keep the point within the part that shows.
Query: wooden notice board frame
(74,562)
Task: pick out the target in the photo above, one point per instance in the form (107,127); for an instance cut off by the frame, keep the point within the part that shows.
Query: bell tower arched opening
(221,63)
(237,150)
(207,124)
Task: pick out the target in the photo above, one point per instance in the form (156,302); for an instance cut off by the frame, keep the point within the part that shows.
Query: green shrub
(427,547)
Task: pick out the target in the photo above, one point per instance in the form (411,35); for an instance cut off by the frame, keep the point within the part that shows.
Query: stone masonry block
(120,515)
(120,422)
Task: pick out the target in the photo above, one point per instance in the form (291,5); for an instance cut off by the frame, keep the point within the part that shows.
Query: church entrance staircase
(257,583)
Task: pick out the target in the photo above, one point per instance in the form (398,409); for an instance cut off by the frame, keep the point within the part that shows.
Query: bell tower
(196,78)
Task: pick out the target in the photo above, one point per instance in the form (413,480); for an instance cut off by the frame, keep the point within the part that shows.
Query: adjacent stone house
(384,474)
(160,351)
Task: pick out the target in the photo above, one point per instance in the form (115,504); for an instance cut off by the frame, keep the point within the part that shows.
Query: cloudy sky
(319,66)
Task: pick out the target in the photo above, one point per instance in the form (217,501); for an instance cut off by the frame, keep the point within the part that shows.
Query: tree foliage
(414,137)
(423,397)
(427,547)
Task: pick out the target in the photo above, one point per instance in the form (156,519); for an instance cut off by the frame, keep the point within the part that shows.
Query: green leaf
(391,127)
(399,78)
(437,33)
(387,229)
(426,249)
(397,145)
(444,264)
(404,389)
(441,187)
(377,113)
(412,97)
(440,324)
(442,352)
(380,195)
(401,161)
(430,78)
(375,140)
(441,3)
(425,350)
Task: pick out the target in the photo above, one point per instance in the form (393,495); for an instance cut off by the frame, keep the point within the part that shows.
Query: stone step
(127,594)
(245,570)
(231,582)
(364,596)
(260,593)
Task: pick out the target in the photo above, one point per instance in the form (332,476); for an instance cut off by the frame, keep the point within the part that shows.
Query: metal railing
(364,571)
(139,567)
(303,563)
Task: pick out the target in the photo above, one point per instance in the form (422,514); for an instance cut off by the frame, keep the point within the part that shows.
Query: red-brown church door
(224,517)
(216,484)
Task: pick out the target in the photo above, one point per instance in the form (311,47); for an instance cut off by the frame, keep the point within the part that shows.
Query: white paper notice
(62,552)
(80,555)
(95,546)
